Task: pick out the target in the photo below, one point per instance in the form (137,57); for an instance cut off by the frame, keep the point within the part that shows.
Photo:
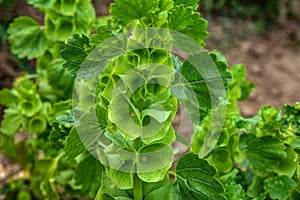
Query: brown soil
(272,62)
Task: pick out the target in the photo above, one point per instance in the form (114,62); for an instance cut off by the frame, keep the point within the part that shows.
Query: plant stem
(137,188)
(137,144)
(137,182)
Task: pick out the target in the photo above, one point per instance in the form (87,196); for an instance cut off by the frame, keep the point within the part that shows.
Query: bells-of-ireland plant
(129,82)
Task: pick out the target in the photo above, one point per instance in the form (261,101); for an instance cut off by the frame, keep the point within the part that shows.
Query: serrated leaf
(131,9)
(186,21)
(279,187)
(60,108)
(234,191)
(205,81)
(74,52)
(195,179)
(27,38)
(268,147)
(74,146)
(187,3)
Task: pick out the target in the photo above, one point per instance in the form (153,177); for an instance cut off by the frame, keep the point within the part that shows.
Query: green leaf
(8,98)
(289,165)
(195,179)
(7,144)
(160,115)
(12,122)
(270,123)
(27,38)
(160,193)
(186,21)
(123,175)
(108,190)
(117,139)
(206,79)
(240,89)
(291,121)
(165,4)
(65,7)
(42,179)
(187,3)
(41,3)
(131,9)
(210,132)
(74,146)
(268,147)
(61,108)
(295,192)
(279,187)
(255,189)
(221,159)
(268,154)
(62,85)
(74,52)
(154,161)
(234,191)
(246,124)
(89,129)
(88,174)
(149,187)
(24,195)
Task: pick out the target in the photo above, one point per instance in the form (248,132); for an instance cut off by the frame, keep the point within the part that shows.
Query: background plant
(226,162)
(235,173)
(36,99)
(265,14)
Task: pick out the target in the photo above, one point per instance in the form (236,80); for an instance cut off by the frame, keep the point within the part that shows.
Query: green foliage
(113,139)
(28,38)
(88,175)
(75,46)
(185,20)
(36,101)
(195,180)
(205,84)
(265,14)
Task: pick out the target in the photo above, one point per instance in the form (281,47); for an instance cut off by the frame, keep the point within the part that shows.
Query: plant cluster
(265,14)
(97,115)
(37,99)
